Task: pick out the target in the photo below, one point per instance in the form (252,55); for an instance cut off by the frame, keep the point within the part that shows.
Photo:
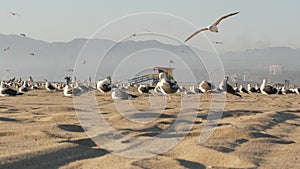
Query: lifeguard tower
(152,76)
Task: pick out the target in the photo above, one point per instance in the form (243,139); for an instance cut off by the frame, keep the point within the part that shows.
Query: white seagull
(213,27)
(118,94)
(145,89)
(104,85)
(267,89)
(205,86)
(166,86)
(49,86)
(70,91)
(24,87)
(5,91)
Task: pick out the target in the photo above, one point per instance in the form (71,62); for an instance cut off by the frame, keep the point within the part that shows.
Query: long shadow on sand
(8,119)
(58,158)
(233,113)
(255,131)
(190,164)
(71,127)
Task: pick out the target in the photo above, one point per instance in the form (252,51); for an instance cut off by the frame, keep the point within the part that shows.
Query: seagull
(24,87)
(14,14)
(69,91)
(224,86)
(104,85)
(49,86)
(32,54)
(251,89)
(145,89)
(205,86)
(5,91)
(267,89)
(84,61)
(218,43)
(118,94)
(69,70)
(165,85)
(243,90)
(22,34)
(6,49)
(213,27)
(192,90)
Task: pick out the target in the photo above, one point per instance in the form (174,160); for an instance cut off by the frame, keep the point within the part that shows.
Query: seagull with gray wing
(213,27)
(14,14)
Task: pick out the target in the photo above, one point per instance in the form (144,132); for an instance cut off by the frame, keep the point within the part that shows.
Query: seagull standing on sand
(70,91)
(165,85)
(224,86)
(5,91)
(49,86)
(205,86)
(251,89)
(145,89)
(24,87)
(118,94)
(104,85)
(267,89)
(243,90)
(213,27)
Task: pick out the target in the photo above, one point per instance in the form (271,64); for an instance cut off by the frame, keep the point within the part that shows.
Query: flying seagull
(218,43)
(213,27)
(6,49)
(14,14)
(70,70)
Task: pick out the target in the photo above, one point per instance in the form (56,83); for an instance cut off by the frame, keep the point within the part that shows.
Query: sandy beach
(41,130)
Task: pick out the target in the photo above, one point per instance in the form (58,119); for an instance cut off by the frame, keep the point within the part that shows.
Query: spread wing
(195,33)
(224,17)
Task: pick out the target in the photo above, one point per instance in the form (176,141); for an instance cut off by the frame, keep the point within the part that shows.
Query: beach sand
(41,130)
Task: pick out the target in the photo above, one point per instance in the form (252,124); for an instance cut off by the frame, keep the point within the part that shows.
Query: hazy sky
(260,24)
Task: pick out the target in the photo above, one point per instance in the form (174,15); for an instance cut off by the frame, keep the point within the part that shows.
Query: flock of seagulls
(21,34)
(165,86)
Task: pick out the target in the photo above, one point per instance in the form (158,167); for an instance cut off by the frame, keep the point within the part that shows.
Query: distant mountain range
(26,56)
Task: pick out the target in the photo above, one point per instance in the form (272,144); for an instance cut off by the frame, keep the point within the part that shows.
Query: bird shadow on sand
(8,119)
(227,147)
(277,118)
(57,158)
(190,164)
(71,127)
(233,113)
(148,163)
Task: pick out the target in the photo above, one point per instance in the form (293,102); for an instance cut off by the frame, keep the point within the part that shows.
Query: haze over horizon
(260,24)
(125,59)
(262,34)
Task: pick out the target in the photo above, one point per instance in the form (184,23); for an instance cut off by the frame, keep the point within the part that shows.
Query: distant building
(275,69)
